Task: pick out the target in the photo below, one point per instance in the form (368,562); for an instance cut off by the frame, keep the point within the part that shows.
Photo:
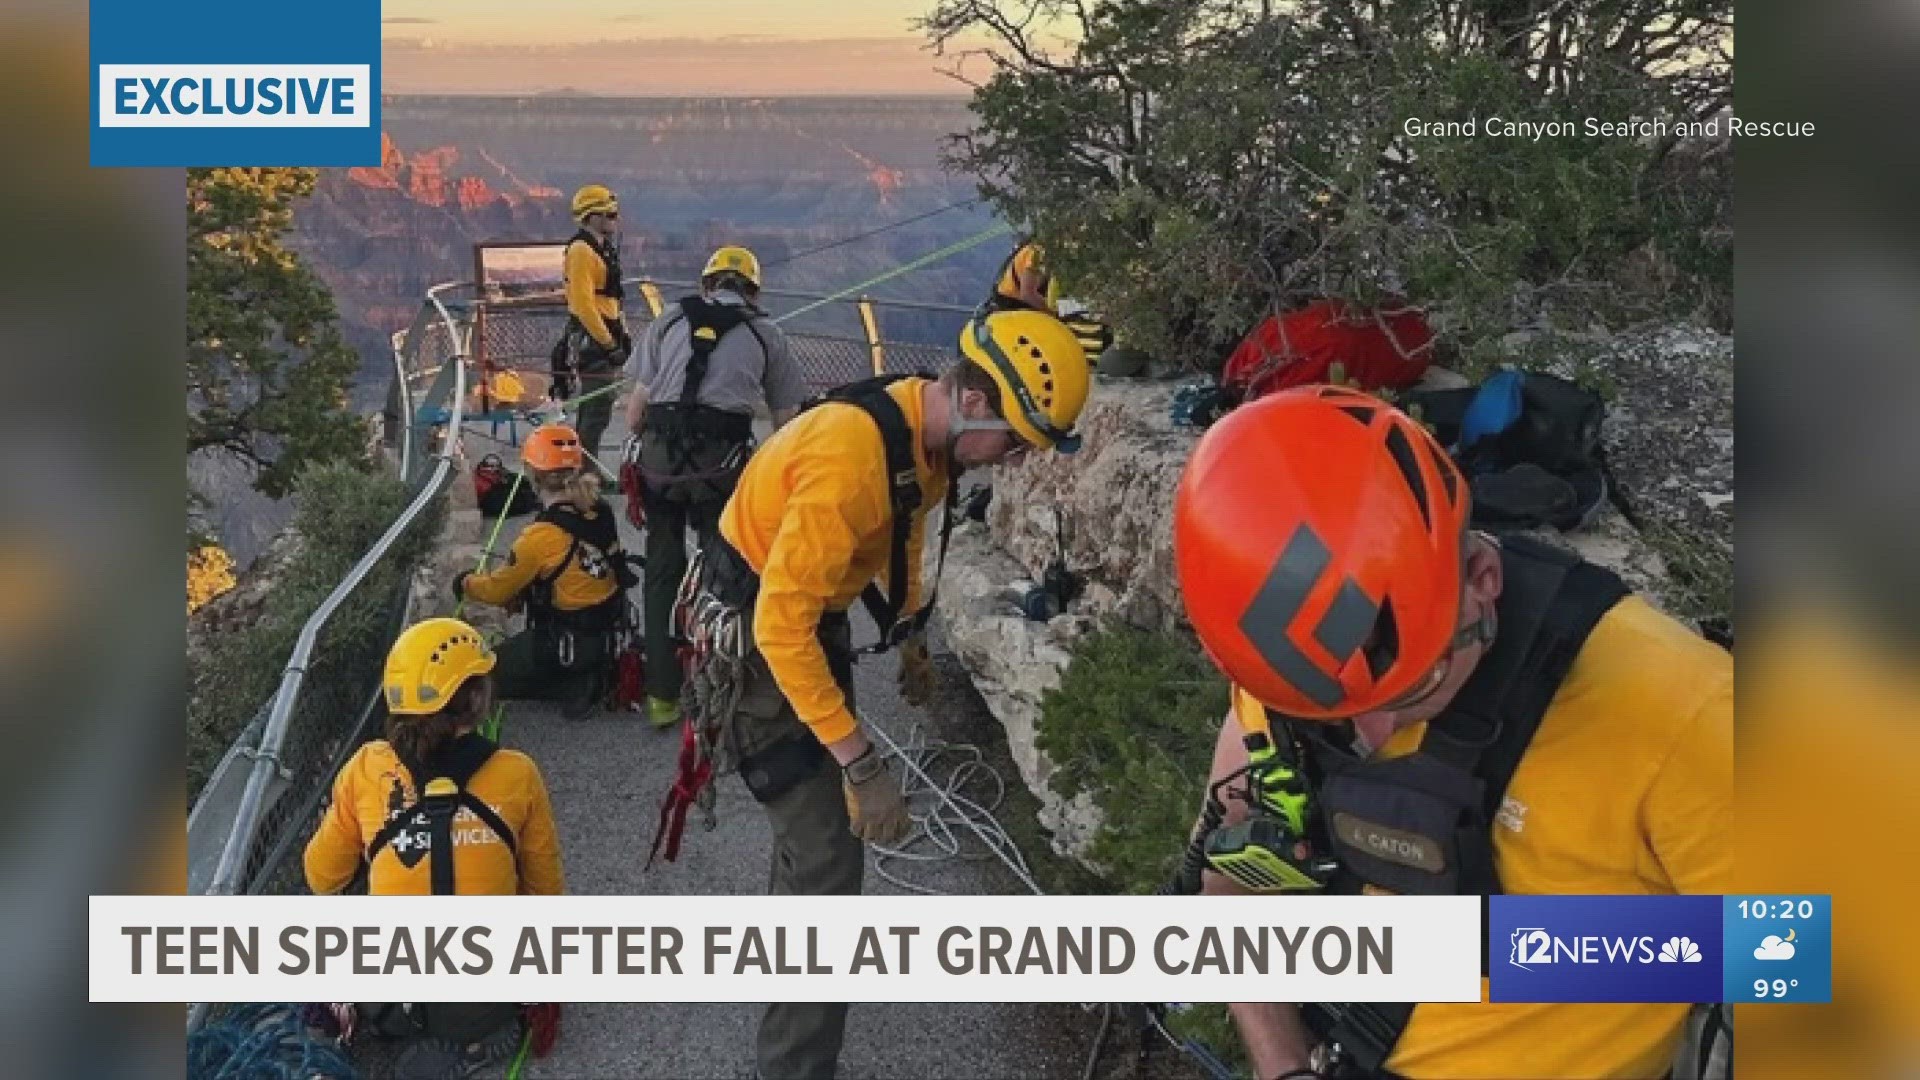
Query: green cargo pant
(670,513)
(814,850)
(527,667)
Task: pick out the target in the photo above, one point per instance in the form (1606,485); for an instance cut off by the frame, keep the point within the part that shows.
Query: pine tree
(267,369)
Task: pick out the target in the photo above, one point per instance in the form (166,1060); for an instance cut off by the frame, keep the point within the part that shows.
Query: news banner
(955,948)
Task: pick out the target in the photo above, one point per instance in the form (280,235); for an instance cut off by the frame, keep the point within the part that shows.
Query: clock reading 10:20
(1776,909)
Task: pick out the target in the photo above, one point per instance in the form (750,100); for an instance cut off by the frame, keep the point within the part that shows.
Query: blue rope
(264,1042)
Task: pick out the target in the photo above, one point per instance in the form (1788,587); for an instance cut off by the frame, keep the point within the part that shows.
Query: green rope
(494,537)
(571,404)
(907,268)
(520,1059)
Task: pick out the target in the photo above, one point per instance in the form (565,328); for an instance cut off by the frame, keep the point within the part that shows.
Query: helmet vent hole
(1035,353)
(1024,342)
(1047,386)
(1446,470)
(1402,452)
(1383,645)
(1362,413)
(1045,369)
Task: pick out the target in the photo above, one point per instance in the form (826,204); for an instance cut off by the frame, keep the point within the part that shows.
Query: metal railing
(249,814)
(835,338)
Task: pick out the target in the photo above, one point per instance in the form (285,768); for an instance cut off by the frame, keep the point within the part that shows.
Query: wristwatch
(865,767)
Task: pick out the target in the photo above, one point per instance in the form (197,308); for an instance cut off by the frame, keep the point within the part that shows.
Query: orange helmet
(551,448)
(1317,535)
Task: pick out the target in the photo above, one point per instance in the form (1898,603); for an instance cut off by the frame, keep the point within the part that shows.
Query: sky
(669,47)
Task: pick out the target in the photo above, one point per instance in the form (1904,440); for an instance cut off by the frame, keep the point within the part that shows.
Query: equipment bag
(492,482)
(1378,350)
(1529,445)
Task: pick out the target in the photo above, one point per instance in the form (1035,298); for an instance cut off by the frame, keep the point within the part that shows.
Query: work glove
(619,354)
(460,584)
(916,670)
(562,388)
(876,803)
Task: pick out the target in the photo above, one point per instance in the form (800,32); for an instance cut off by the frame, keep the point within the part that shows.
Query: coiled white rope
(945,812)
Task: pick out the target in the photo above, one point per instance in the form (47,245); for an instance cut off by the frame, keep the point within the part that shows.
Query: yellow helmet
(737,259)
(594,199)
(1041,370)
(429,662)
(1028,259)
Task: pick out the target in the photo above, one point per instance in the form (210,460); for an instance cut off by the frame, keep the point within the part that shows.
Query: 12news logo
(1531,945)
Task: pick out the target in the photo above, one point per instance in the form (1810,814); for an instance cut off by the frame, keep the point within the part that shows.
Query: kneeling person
(569,572)
(436,809)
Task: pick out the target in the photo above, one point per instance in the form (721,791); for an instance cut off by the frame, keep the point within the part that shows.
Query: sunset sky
(668,47)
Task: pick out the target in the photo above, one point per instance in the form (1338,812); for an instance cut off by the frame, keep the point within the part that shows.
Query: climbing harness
(424,827)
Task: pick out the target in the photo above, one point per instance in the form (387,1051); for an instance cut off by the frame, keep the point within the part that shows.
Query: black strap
(1549,603)
(903,499)
(458,762)
(610,255)
(707,324)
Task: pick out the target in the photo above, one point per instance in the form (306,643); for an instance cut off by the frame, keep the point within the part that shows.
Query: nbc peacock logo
(1680,950)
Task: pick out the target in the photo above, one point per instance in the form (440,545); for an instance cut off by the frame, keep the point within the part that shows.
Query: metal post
(873,336)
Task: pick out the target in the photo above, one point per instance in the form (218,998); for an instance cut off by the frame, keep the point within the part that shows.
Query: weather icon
(1680,950)
(1774,947)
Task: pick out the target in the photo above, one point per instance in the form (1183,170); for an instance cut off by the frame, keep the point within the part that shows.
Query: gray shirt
(740,374)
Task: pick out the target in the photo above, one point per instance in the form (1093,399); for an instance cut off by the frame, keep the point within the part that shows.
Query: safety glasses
(1063,441)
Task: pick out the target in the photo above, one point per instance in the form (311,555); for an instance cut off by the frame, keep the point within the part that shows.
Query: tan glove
(876,805)
(916,670)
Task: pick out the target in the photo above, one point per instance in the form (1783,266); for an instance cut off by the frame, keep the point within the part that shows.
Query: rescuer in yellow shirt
(568,571)
(1379,647)
(596,344)
(434,808)
(833,508)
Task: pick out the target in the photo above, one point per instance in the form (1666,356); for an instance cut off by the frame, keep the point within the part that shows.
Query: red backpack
(1377,349)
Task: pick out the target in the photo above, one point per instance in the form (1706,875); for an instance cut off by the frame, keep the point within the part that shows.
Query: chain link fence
(828,335)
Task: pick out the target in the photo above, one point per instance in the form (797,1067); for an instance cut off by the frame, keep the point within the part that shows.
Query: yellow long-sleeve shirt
(373,785)
(1625,790)
(812,516)
(586,275)
(537,552)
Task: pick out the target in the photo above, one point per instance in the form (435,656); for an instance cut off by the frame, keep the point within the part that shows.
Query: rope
(798,255)
(572,404)
(940,831)
(925,260)
(264,1042)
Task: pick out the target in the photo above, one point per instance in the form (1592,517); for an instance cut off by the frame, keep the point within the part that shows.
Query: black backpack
(1529,446)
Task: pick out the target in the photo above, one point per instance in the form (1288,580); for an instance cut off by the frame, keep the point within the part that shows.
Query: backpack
(1529,446)
(492,481)
(1378,350)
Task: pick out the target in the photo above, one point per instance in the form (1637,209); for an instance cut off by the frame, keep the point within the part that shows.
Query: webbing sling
(429,817)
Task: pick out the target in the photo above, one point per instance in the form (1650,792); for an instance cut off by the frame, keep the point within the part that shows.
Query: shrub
(1133,725)
(342,510)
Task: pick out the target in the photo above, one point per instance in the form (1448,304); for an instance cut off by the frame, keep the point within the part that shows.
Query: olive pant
(596,369)
(671,509)
(814,850)
(527,666)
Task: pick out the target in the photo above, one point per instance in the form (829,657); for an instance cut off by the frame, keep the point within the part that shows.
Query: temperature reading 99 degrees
(1764,989)
(1777,949)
